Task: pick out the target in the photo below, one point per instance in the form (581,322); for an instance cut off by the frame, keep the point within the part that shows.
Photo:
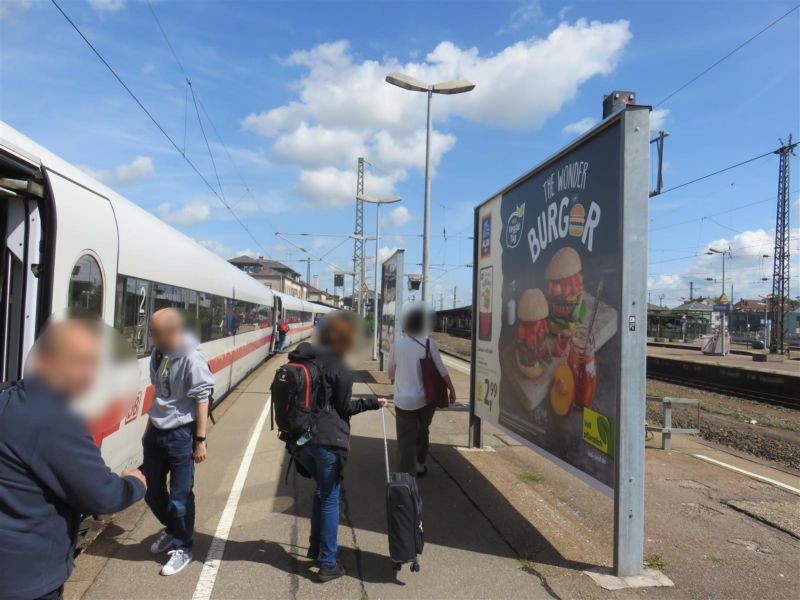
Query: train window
(167,296)
(190,308)
(86,286)
(264,316)
(219,318)
(132,312)
(205,317)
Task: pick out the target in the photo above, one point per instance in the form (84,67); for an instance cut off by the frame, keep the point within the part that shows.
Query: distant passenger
(51,472)
(283,331)
(175,438)
(324,456)
(412,415)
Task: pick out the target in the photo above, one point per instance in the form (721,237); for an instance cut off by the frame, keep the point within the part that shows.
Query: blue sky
(296,91)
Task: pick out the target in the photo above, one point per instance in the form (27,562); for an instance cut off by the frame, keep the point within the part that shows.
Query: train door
(277,312)
(86,250)
(21,192)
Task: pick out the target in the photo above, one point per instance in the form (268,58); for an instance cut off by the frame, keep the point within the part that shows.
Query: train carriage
(72,242)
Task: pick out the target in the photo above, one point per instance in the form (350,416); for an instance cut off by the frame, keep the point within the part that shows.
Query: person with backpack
(413,416)
(313,403)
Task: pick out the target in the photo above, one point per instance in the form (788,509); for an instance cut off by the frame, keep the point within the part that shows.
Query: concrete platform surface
(503,523)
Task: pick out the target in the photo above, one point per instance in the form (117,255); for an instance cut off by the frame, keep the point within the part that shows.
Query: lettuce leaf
(579,312)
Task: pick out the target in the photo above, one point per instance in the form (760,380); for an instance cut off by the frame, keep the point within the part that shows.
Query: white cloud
(317,146)
(188,215)
(397,217)
(658,119)
(140,168)
(216,247)
(107,5)
(744,269)
(7,6)
(580,126)
(344,109)
(99,174)
(148,68)
(524,14)
(385,252)
(334,187)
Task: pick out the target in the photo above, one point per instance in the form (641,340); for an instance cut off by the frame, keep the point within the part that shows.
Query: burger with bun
(533,353)
(567,309)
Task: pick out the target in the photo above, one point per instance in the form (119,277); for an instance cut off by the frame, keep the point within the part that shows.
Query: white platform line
(456,365)
(205,585)
(779,484)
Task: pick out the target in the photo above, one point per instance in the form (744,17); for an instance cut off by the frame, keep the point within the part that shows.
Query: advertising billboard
(558,311)
(391,298)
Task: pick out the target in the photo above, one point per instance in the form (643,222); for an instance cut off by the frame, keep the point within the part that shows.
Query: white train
(70,241)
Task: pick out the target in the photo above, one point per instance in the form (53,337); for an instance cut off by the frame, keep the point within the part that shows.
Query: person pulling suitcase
(403,514)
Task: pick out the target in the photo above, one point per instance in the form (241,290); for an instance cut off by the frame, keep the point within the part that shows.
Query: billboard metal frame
(628,491)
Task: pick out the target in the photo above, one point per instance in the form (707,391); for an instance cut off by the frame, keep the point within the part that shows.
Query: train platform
(742,361)
(499,523)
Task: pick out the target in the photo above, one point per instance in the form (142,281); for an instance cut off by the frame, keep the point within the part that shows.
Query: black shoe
(328,573)
(312,553)
(424,471)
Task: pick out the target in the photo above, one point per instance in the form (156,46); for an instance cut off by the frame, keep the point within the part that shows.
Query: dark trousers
(412,437)
(169,452)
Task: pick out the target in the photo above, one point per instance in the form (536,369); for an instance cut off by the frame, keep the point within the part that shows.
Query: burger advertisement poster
(547,355)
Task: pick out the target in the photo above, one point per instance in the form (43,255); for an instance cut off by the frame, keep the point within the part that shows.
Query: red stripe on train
(110,422)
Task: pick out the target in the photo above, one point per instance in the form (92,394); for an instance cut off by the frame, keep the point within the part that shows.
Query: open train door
(277,316)
(21,256)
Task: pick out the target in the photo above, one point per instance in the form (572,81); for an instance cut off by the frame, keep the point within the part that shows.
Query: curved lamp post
(458,86)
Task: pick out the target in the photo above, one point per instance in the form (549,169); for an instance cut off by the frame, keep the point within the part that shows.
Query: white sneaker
(178,559)
(164,542)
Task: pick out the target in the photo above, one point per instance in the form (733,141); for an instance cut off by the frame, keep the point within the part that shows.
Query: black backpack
(298,395)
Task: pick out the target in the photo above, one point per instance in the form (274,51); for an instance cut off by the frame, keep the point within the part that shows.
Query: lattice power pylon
(780,272)
(358,245)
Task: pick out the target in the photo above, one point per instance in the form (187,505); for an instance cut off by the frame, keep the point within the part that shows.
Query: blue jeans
(169,452)
(282,342)
(323,465)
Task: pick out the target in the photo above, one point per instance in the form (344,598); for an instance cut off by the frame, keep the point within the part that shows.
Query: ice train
(71,242)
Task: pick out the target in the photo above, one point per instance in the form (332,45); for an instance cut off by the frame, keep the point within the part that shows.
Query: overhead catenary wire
(739,164)
(728,55)
(199,101)
(158,125)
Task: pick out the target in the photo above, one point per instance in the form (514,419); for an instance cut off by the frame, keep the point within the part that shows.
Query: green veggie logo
(514,227)
(598,431)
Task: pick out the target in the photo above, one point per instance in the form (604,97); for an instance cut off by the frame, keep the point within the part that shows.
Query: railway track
(777,399)
(769,387)
(749,384)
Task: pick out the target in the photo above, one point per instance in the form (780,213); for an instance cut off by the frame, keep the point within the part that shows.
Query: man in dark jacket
(50,470)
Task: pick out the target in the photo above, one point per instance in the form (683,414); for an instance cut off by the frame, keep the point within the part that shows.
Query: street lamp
(712,251)
(407,82)
(377,202)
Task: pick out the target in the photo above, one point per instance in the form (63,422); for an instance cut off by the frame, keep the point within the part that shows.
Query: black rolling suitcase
(404,514)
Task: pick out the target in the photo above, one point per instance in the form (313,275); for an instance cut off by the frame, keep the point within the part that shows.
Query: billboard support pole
(629,433)
(474,420)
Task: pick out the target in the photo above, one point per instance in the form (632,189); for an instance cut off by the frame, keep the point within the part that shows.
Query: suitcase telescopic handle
(385,444)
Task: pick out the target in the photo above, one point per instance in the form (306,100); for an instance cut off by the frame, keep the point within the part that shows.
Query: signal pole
(455,289)
(358,237)
(780,271)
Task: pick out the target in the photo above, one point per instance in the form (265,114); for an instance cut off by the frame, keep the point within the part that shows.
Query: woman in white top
(413,415)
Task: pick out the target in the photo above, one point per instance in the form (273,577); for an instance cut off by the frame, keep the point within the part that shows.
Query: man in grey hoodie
(175,438)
